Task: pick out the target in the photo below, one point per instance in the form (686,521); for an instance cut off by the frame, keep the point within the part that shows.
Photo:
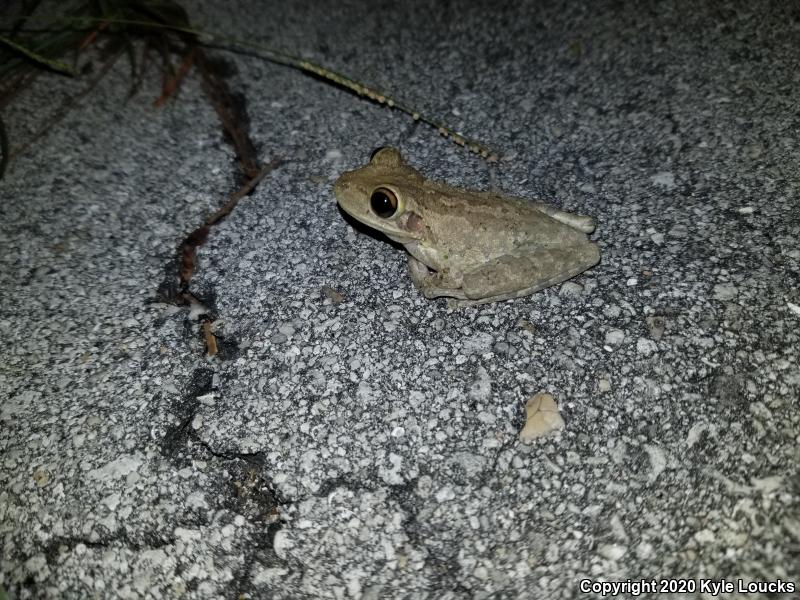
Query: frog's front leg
(434,284)
(525,272)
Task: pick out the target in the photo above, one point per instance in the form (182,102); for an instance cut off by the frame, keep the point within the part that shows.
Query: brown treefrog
(473,247)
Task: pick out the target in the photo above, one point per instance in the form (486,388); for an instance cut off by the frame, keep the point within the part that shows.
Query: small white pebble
(704,536)
(612,551)
(664,179)
(646,347)
(615,337)
(445,494)
(571,289)
(725,291)
(644,550)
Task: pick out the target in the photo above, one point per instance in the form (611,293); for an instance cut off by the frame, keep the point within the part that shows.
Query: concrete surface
(368,448)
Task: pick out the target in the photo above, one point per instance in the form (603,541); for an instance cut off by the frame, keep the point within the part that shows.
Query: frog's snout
(341,185)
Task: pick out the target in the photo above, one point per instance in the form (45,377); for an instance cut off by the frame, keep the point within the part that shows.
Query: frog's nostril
(383,202)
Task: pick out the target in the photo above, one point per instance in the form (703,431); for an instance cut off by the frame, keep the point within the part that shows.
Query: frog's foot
(433,284)
(517,275)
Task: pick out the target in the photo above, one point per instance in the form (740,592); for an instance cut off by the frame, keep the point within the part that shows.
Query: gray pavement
(353,439)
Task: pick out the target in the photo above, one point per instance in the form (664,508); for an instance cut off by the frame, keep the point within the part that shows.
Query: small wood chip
(211,340)
(541,417)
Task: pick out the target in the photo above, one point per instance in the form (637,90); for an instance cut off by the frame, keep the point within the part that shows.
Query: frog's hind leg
(517,275)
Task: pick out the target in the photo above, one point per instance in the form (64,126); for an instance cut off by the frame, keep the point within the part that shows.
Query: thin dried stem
(306,66)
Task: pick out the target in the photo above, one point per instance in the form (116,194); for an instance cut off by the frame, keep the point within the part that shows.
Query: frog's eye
(383,202)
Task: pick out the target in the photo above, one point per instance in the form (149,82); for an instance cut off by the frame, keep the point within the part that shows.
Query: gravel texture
(353,439)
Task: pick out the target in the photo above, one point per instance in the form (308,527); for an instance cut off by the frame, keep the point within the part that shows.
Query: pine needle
(56,65)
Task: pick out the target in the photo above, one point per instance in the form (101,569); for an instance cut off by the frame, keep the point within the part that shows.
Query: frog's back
(465,219)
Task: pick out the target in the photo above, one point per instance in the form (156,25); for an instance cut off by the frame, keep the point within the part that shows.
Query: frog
(468,246)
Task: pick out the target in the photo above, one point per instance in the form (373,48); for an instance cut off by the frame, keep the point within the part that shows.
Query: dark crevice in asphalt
(149,541)
(447,570)
(231,109)
(177,436)
(245,490)
(342,481)
(256,498)
(441,560)
(227,347)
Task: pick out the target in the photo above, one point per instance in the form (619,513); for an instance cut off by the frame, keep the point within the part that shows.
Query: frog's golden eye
(383,202)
